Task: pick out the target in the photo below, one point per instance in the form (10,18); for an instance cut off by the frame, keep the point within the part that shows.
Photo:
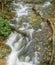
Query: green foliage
(4,26)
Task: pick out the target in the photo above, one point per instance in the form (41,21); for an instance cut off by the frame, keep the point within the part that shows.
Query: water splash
(11,39)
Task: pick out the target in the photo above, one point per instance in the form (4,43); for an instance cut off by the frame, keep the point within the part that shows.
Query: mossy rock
(4,50)
(34,19)
(2,38)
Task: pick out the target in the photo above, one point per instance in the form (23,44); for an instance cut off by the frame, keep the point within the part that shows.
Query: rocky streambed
(42,37)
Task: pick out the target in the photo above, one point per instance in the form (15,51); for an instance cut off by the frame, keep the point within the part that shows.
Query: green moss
(4,50)
(34,19)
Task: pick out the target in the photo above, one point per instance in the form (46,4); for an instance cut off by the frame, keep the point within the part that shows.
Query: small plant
(5,29)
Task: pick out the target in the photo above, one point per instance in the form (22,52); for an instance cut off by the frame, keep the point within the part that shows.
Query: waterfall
(15,40)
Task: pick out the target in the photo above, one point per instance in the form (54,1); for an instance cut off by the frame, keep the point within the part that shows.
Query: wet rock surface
(41,38)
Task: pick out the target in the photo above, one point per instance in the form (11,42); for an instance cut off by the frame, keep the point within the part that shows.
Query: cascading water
(15,40)
(44,8)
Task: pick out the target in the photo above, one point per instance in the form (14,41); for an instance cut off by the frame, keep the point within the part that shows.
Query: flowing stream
(15,40)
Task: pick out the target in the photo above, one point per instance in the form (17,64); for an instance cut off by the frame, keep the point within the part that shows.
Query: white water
(46,4)
(44,8)
(18,46)
(23,10)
